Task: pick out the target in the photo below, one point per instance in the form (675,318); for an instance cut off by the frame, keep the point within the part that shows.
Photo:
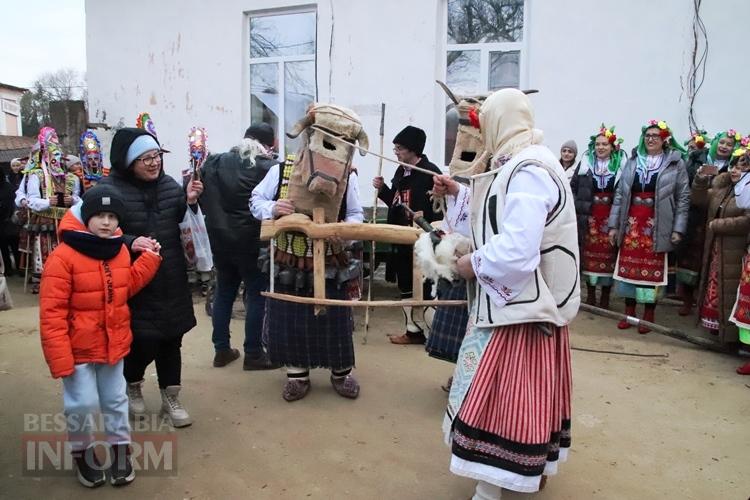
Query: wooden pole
(662,330)
(359,148)
(373,220)
(301,223)
(361,303)
(319,263)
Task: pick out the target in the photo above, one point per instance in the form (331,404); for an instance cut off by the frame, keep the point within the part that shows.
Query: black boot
(89,470)
(122,471)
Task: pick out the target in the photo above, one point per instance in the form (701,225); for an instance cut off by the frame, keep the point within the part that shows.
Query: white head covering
(507,122)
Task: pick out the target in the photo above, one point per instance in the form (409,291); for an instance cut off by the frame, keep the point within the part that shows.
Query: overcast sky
(38,36)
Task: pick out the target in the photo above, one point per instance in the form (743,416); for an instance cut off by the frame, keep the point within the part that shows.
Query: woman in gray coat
(648,218)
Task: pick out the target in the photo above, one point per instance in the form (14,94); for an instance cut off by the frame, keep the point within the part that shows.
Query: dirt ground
(643,428)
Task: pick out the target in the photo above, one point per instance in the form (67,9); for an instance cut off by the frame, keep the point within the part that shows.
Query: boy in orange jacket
(85,327)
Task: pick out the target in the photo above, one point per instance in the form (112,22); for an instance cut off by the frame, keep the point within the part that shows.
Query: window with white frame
(282,70)
(485,45)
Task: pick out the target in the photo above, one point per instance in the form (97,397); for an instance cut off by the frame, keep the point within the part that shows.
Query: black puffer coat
(228,182)
(164,309)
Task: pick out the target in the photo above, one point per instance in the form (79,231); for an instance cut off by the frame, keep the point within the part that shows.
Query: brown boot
(591,295)
(225,356)
(687,301)
(604,299)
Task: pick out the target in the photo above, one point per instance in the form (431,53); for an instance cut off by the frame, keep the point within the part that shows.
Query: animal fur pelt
(440,261)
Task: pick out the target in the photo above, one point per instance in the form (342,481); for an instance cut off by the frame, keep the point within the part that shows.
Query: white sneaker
(172,408)
(136,404)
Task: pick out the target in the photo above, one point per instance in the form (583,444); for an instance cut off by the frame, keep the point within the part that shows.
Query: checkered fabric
(448,326)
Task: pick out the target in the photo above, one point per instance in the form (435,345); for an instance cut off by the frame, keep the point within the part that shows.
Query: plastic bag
(195,241)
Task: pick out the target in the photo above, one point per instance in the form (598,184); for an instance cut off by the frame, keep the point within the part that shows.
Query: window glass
(264,94)
(504,70)
(299,80)
(463,71)
(485,21)
(282,35)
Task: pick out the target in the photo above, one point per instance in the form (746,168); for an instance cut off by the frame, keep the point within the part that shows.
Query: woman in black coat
(163,311)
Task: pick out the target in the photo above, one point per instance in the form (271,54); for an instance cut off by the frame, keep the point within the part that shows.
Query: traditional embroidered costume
(508,416)
(319,176)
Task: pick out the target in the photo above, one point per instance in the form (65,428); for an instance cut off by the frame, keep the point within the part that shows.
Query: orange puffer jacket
(83,303)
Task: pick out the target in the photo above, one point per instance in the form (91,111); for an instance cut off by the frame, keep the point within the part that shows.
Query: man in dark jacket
(229,180)
(408,187)
(162,312)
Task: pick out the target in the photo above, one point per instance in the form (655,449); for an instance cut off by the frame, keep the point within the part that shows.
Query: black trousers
(165,352)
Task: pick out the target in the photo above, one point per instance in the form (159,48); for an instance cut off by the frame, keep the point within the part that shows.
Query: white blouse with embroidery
(505,264)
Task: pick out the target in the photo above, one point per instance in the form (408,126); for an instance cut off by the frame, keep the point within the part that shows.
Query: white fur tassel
(440,261)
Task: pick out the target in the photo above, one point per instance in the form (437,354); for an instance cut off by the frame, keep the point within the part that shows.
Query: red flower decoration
(474,118)
(664,133)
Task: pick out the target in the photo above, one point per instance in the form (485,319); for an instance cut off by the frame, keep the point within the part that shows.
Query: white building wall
(623,63)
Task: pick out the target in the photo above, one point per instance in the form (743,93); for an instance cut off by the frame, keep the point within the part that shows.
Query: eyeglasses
(399,149)
(652,137)
(151,160)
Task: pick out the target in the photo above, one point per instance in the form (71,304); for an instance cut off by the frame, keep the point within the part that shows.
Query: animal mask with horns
(321,169)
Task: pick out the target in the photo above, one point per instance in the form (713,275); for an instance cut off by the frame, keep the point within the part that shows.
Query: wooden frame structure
(318,230)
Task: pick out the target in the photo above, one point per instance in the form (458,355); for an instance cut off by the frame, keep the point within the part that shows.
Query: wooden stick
(319,262)
(362,303)
(662,330)
(387,233)
(373,220)
(409,165)
(417,290)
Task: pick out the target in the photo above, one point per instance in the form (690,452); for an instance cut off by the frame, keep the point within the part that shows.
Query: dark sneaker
(225,356)
(89,470)
(347,387)
(121,471)
(295,389)
(262,362)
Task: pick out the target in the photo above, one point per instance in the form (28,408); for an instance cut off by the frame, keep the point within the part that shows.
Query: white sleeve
(76,195)
(457,208)
(742,192)
(34,197)
(506,263)
(21,191)
(354,211)
(262,199)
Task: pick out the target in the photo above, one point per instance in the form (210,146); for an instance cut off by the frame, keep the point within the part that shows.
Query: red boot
(744,369)
(630,311)
(648,315)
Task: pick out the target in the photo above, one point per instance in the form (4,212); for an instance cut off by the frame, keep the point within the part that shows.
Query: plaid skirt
(448,326)
(296,337)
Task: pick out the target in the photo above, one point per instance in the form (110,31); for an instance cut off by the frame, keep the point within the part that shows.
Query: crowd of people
(666,219)
(104,248)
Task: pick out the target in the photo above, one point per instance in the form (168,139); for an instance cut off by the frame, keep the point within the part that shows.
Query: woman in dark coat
(727,228)
(163,311)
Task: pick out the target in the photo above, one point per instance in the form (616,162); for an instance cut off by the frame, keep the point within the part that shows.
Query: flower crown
(744,147)
(609,134)
(699,138)
(664,131)
(733,134)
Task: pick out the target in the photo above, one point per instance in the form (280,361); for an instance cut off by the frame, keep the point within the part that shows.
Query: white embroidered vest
(552,295)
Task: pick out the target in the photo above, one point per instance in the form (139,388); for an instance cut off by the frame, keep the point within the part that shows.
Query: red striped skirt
(516,414)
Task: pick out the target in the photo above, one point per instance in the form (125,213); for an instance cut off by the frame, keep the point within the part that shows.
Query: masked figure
(92,161)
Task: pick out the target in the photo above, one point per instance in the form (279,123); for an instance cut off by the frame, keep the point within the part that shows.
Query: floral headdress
(665,132)
(50,152)
(145,122)
(700,138)
(198,150)
(89,145)
(732,134)
(616,157)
